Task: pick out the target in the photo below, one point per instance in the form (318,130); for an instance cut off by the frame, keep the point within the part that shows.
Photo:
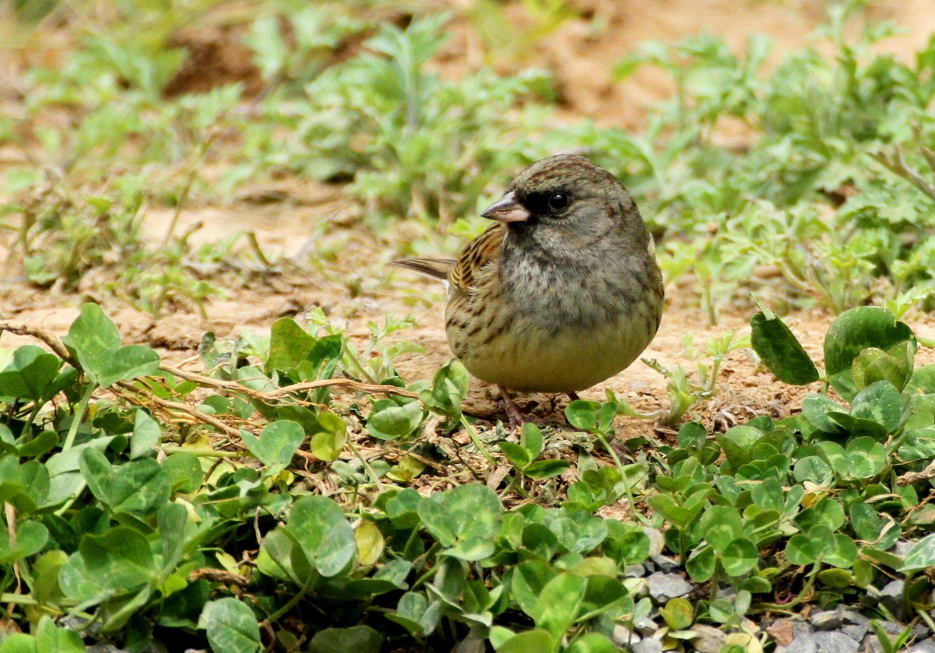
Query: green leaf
(517,455)
(817,407)
(864,458)
(529,579)
(872,528)
(739,557)
(799,550)
(780,351)
(328,443)
(318,525)
(277,443)
(119,560)
(94,341)
(30,538)
(851,333)
(721,525)
(842,552)
(531,440)
(359,639)
(390,419)
(51,639)
(231,626)
(449,388)
(873,365)
(532,640)
(464,519)
(146,435)
(678,613)
(701,565)
(921,555)
(30,375)
(137,486)
(289,346)
(590,643)
(591,416)
(546,468)
(559,603)
(880,402)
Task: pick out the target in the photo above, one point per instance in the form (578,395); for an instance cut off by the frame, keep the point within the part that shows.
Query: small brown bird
(562,293)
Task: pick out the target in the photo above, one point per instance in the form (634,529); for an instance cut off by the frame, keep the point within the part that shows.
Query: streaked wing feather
(475,256)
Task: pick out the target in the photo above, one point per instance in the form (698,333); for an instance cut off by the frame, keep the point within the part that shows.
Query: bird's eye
(558,201)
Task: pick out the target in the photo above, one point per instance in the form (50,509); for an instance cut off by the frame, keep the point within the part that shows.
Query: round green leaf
(701,565)
(921,555)
(865,458)
(360,639)
(739,557)
(389,420)
(231,625)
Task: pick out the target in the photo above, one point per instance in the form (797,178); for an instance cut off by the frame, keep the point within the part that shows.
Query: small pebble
(665,563)
(891,596)
(835,643)
(663,587)
(648,646)
(826,620)
(623,636)
(634,571)
(656,540)
(709,639)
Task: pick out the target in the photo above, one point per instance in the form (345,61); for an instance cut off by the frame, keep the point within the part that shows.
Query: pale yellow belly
(540,362)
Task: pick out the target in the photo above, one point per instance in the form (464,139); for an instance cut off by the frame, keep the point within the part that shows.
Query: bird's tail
(437,268)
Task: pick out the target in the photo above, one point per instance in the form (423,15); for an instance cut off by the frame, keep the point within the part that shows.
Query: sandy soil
(351,289)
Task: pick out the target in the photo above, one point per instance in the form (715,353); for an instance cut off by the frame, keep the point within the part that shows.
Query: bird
(561,293)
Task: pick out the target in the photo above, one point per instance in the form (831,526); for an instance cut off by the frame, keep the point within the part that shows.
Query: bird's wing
(475,256)
(437,268)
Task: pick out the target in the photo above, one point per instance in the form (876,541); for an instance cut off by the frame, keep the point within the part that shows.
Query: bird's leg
(513,413)
(573,396)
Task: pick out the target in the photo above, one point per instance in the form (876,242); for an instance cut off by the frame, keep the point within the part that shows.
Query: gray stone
(925,646)
(646,627)
(920,631)
(663,587)
(871,644)
(709,639)
(648,646)
(892,628)
(835,643)
(470,644)
(801,628)
(856,632)
(804,643)
(665,563)
(634,571)
(854,617)
(901,548)
(826,620)
(623,636)
(891,596)
(656,540)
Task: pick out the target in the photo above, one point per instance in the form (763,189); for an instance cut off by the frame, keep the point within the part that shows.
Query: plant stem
(78,416)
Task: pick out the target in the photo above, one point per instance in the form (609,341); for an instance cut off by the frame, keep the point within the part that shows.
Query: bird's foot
(513,412)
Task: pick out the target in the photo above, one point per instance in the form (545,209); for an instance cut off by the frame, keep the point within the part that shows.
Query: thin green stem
(477,443)
(78,417)
(363,461)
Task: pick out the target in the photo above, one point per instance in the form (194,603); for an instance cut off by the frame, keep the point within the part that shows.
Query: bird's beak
(507,210)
